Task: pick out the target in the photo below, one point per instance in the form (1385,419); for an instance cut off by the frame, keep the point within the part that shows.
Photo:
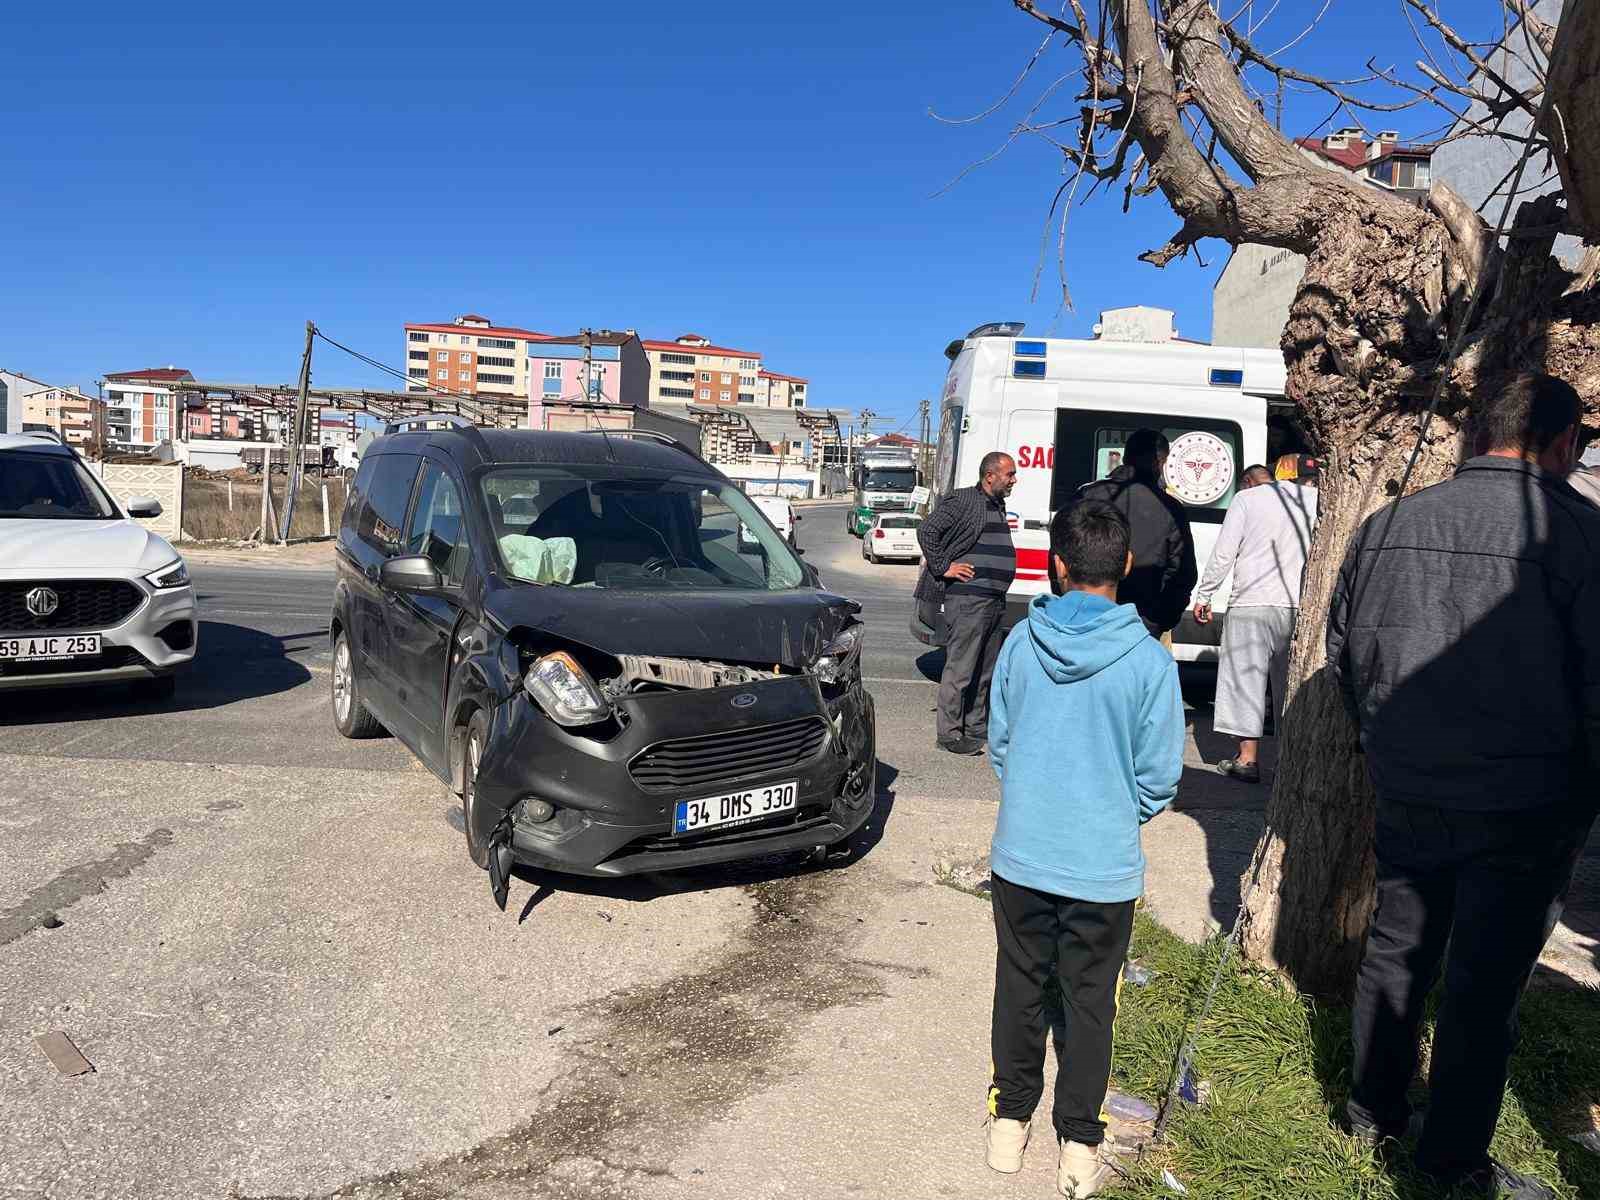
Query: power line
(396,372)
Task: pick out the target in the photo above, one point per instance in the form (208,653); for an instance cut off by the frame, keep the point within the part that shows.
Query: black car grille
(80,604)
(713,758)
(108,659)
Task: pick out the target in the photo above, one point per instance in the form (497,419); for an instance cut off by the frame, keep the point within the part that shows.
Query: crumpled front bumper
(607,824)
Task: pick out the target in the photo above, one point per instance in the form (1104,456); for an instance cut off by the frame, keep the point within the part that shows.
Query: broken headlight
(565,691)
(838,655)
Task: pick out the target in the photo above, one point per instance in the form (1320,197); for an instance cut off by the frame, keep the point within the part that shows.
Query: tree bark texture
(1361,343)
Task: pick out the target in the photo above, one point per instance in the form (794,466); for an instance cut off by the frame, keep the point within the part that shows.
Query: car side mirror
(144,506)
(411,573)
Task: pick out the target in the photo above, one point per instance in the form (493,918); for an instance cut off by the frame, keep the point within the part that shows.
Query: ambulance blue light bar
(1030,350)
(1226,377)
(1024,369)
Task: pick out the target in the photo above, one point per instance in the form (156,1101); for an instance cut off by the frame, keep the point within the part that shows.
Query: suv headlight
(173,575)
(837,656)
(564,690)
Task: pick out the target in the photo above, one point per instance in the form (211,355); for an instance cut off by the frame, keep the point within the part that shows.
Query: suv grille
(80,604)
(712,758)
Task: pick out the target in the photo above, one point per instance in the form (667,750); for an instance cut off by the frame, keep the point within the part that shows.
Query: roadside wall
(164,481)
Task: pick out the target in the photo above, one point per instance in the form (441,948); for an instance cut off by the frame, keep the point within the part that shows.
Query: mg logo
(41,601)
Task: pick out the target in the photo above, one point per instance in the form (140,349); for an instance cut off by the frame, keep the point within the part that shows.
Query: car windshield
(890,479)
(50,487)
(899,522)
(607,528)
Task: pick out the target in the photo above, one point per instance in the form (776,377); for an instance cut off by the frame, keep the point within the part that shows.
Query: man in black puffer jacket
(1164,570)
(1464,636)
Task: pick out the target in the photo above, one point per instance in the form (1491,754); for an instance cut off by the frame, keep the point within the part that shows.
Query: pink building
(562,371)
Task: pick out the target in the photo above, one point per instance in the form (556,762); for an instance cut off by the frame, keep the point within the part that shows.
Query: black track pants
(1084,944)
(1478,893)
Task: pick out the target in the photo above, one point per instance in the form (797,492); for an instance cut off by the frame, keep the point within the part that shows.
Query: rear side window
(384,512)
(357,499)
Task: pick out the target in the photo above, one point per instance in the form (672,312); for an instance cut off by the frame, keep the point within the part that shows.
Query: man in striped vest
(968,559)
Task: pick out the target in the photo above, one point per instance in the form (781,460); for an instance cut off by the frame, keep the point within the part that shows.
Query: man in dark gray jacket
(968,562)
(1164,570)
(1464,636)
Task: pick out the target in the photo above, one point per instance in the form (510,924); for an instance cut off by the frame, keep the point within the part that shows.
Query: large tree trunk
(1360,322)
(1363,338)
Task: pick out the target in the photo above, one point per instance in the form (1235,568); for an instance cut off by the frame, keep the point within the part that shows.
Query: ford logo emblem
(744,700)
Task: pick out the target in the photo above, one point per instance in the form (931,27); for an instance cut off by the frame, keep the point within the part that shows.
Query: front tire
(472,744)
(350,715)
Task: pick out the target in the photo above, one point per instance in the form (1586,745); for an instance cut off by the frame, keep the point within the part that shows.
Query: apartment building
(690,370)
(470,354)
(780,391)
(142,409)
(598,366)
(34,404)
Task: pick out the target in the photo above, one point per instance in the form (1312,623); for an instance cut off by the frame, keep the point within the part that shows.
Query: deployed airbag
(540,560)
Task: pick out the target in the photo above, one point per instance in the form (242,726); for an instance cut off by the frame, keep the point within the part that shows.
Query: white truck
(883,478)
(1063,408)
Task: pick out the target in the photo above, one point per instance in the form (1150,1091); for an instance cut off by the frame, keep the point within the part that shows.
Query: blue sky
(189,184)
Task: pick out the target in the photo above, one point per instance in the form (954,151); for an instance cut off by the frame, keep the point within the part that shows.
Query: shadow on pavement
(234,663)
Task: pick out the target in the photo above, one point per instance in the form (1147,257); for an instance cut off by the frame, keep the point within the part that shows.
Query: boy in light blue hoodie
(1086,734)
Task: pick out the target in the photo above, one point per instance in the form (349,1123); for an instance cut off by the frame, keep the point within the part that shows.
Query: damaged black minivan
(602,646)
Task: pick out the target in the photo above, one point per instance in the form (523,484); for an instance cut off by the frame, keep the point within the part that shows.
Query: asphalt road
(291,982)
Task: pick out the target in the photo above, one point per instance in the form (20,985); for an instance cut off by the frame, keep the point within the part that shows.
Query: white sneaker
(1081,1172)
(1007,1140)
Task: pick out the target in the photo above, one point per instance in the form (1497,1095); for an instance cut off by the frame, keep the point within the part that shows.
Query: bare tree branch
(1459,44)
(1195,34)
(1544,36)
(1010,92)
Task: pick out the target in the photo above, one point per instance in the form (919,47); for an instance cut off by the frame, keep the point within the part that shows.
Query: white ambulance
(1063,408)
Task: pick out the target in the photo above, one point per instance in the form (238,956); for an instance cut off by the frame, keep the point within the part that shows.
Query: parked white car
(892,535)
(780,512)
(87,594)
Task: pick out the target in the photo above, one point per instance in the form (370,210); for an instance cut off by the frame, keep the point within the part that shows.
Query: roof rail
(48,435)
(651,434)
(407,424)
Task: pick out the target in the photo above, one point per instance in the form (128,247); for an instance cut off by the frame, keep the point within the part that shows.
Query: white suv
(87,595)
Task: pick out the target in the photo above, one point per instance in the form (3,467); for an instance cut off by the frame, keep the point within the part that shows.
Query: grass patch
(1278,1067)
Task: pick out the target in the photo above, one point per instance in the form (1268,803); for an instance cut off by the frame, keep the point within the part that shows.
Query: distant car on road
(780,512)
(87,594)
(572,631)
(892,535)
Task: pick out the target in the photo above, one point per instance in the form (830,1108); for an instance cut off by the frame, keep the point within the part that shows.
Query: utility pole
(586,340)
(867,418)
(297,446)
(922,442)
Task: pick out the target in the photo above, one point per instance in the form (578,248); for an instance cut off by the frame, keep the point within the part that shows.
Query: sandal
(1243,772)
